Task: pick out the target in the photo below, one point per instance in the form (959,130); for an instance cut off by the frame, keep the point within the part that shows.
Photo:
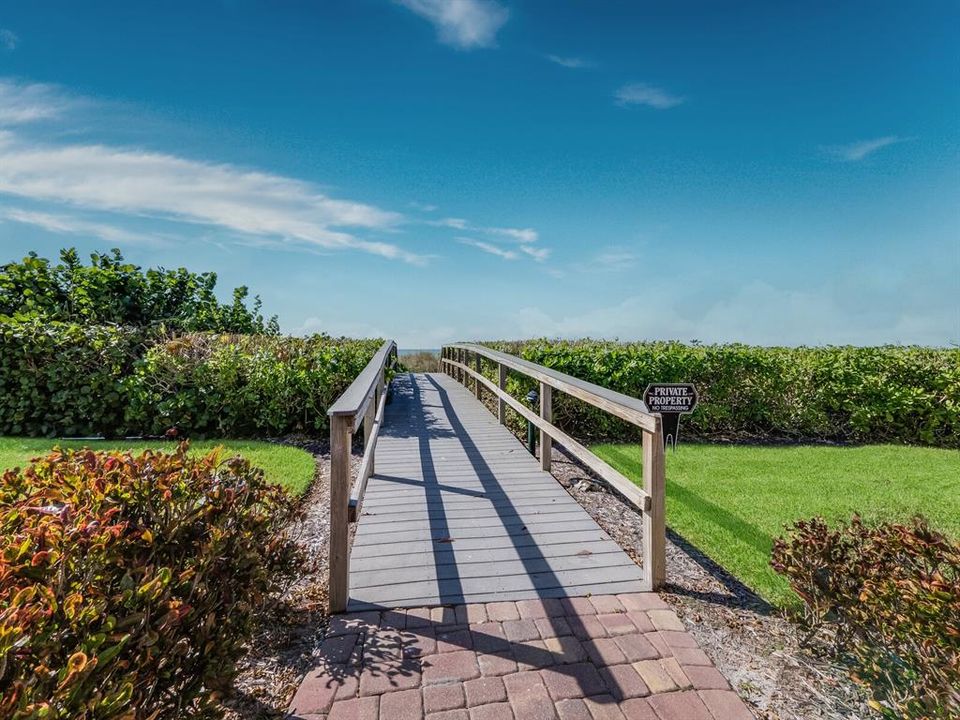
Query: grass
(290,467)
(731,501)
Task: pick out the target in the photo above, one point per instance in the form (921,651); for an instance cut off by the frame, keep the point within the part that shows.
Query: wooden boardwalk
(457,511)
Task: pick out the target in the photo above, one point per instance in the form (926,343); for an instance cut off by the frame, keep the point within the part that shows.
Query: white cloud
(489,248)
(22,103)
(422,207)
(523,235)
(644,94)
(537,253)
(574,63)
(863,148)
(68,224)
(464,24)
(614,258)
(455,223)
(143,183)
(8,40)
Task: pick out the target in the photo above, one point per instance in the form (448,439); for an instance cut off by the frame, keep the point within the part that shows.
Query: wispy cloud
(525,239)
(422,207)
(22,103)
(8,40)
(463,24)
(574,63)
(139,183)
(522,235)
(489,248)
(68,224)
(648,95)
(614,258)
(862,149)
(455,223)
(537,253)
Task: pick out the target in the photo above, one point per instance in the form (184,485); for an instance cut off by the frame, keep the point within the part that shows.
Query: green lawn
(289,466)
(732,500)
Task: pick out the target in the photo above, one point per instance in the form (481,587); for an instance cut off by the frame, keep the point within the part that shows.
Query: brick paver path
(610,656)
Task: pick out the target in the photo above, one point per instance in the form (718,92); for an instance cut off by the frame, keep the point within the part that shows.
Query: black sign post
(671,400)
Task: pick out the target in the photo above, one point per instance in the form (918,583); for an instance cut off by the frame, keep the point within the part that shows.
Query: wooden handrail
(363,402)
(631,409)
(650,500)
(357,396)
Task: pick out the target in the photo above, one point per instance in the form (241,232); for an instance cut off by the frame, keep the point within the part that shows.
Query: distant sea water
(413,351)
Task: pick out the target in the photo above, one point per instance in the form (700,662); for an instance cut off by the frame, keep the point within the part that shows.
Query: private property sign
(671,400)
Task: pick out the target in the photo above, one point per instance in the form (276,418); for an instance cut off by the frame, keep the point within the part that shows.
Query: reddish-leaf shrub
(128,583)
(890,597)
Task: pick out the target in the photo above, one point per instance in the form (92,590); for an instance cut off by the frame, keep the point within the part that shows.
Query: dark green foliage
(242,386)
(64,379)
(128,583)
(890,598)
(112,291)
(851,394)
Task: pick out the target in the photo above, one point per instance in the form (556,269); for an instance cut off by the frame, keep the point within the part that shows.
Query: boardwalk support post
(546,412)
(479,369)
(502,384)
(341,432)
(654,520)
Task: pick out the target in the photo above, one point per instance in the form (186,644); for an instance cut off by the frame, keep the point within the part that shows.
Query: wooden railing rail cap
(358,395)
(628,408)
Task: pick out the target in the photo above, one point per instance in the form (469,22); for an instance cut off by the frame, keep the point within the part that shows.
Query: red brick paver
(623,657)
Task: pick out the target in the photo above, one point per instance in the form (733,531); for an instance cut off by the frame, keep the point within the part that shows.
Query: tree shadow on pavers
(394,650)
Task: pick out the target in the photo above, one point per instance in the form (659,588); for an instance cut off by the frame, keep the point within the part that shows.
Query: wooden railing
(456,359)
(361,403)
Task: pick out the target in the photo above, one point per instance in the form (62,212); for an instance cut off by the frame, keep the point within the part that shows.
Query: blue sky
(776,173)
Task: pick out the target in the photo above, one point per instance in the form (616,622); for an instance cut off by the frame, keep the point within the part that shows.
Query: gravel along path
(752,643)
(288,636)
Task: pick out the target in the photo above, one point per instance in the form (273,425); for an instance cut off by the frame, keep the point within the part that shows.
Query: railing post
(501,403)
(654,520)
(546,412)
(476,381)
(341,431)
(369,417)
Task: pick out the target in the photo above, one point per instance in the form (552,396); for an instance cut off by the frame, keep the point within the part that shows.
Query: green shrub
(891,597)
(64,379)
(112,291)
(242,385)
(128,583)
(872,394)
